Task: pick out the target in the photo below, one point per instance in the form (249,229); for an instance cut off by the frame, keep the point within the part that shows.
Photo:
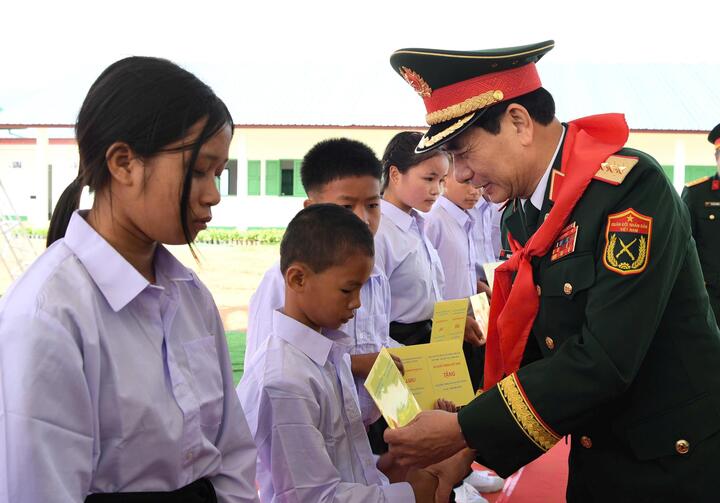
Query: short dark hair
(148,103)
(400,152)
(539,104)
(335,159)
(324,235)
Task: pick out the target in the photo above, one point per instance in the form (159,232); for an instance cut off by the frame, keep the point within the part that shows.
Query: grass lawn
(236,346)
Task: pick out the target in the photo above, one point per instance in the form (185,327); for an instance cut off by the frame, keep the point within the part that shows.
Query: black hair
(400,152)
(335,159)
(148,103)
(539,104)
(324,235)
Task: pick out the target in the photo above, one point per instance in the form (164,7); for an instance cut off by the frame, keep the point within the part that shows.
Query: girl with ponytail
(115,379)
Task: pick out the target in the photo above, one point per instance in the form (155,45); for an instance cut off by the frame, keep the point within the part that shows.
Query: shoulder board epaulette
(615,169)
(698,181)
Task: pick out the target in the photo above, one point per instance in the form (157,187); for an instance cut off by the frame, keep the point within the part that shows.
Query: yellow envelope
(481,310)
(489,269)
(388,390)
(436,370)
(449,320)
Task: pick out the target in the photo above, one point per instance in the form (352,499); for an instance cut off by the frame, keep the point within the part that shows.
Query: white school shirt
(450,230)
(486,234)
(111,384)
(369,329)
(301,405)
(410,262)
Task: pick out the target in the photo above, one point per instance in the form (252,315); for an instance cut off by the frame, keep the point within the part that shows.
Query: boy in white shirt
(348,173)
(298,392)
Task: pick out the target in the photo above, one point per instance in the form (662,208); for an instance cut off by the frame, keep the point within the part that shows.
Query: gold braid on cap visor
(468,106)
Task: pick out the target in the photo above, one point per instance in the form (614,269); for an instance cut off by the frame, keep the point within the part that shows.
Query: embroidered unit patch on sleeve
(627,242)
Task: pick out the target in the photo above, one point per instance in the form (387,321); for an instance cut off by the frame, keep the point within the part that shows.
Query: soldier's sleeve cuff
(503,428)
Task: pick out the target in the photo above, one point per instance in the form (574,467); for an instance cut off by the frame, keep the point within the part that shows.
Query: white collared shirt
(538,196)
(369,329)
(112,384)
(487,216)
(449,228)
(300,400)
(410,262)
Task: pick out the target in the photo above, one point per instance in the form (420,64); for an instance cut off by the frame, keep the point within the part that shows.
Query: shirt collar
(458,214)
(397,216)
(315,345)
(538,196)
(116,278)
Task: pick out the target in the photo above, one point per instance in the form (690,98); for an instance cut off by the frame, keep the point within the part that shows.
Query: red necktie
(588,142)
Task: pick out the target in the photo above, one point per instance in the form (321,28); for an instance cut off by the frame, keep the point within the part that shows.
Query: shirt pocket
(207,382)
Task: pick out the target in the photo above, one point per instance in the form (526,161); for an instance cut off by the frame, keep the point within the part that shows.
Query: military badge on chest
(565,243)
(627,242)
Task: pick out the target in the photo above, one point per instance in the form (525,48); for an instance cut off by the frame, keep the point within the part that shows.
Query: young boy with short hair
(348,173)
(298,392)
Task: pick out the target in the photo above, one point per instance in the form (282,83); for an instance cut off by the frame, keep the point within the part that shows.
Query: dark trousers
(200,491)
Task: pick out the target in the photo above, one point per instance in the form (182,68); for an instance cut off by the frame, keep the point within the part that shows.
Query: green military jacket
(703,200)
(623,357)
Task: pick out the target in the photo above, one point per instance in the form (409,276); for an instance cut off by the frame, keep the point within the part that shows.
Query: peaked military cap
(714,137)
(459,86)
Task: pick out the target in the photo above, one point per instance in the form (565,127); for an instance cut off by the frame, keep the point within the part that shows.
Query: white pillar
(679,171)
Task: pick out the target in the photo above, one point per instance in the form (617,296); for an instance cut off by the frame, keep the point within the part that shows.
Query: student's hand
(473,332)
(360,365)
(432,436)
(446,405)
(484,287)
(451,471)
(424,485)
(399,364)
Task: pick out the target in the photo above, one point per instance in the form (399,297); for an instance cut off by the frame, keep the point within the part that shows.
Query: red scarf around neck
(588,142)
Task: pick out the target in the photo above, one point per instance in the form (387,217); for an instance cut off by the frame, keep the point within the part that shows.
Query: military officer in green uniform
(702,197)
(601,332)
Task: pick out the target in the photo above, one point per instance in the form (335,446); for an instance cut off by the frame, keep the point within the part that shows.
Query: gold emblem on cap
(468,106)
(416,82)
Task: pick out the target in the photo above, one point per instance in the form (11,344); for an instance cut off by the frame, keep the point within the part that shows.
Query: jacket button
(567,288)
(586,441)
(682,446)
(712,216)
(549,343)
(538,290)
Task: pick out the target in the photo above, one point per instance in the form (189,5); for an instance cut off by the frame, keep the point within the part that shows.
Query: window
(232,177)
(286,178)
(253,174)
(282,178)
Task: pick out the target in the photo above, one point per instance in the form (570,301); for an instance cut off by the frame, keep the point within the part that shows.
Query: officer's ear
(521,122)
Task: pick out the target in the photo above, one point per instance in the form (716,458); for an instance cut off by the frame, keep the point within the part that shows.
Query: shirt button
(538,289)
(682,446)
(188,456)
(567,288)
(549,343)
(586,441)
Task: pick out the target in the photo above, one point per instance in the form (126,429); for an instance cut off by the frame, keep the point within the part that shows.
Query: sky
(285,57)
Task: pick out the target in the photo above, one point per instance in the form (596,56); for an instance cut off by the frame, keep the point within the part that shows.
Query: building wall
(256,200)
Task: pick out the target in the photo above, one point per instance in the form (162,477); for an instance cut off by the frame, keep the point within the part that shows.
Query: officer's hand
(432,436)
(473,332)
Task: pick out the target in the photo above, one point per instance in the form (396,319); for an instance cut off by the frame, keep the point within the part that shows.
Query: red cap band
(512,83)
